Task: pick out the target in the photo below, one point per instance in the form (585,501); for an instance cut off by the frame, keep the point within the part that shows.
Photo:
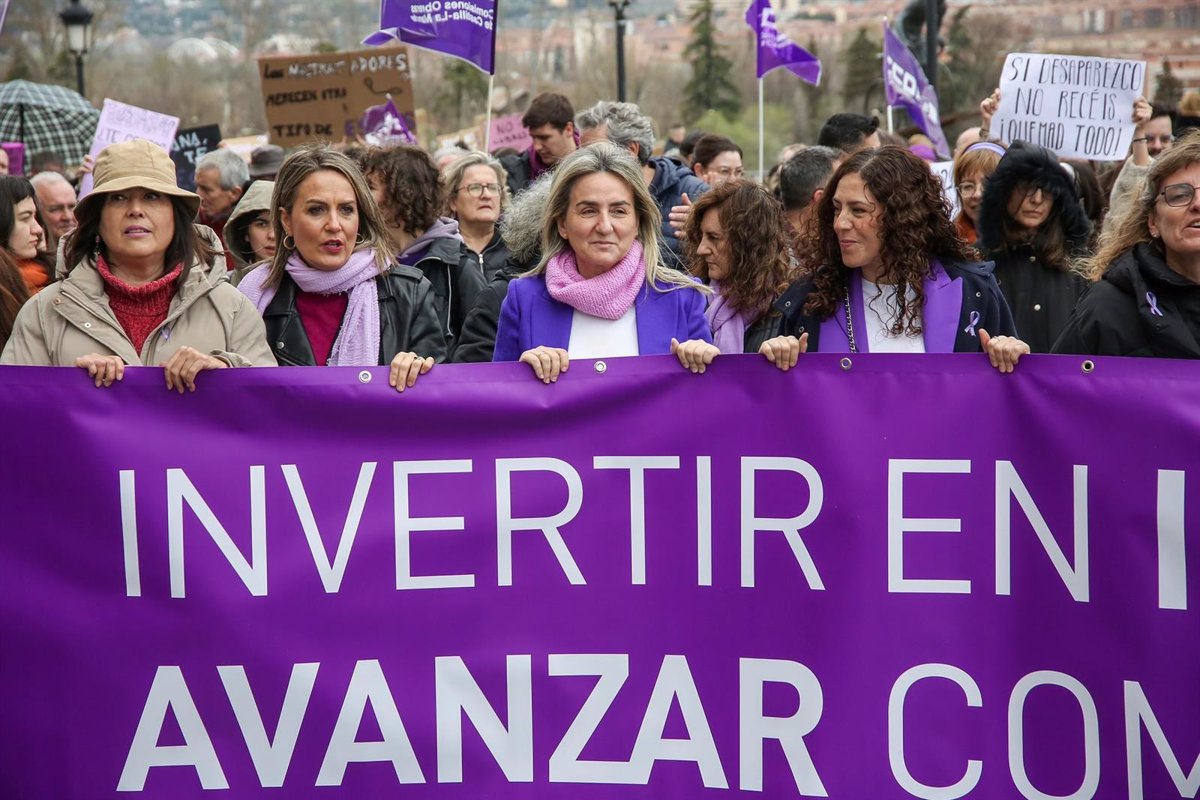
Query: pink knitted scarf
(608,295)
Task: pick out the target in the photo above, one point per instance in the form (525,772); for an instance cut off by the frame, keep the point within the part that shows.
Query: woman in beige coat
(142,285)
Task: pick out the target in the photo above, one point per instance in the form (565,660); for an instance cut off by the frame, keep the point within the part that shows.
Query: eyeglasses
(1178,194)
(477,189)
(967,188)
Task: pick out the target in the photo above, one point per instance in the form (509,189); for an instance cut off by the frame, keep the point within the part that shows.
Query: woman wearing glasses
(1032,225)
(1146,299)
(475,196)
(972,168)
(716,159)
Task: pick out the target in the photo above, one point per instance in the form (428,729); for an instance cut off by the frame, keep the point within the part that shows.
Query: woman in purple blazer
(601,290)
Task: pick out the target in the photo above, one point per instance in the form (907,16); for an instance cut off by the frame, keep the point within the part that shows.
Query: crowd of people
(593,243)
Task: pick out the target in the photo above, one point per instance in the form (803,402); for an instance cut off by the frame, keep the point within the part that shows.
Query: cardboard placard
(189,145)
(1078,106)
(310,98)
(507,131)
(121,122)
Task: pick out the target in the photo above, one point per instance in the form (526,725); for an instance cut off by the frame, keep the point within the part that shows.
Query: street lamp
(619,7)
(77,19)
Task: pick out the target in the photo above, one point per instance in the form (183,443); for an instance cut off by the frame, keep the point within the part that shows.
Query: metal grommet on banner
(846,363)
(601,367)
(1089,367)
(364,377)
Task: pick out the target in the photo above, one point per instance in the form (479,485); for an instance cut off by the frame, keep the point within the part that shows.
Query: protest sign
(121,122)
(906,87)
(1078,106)
(933,581)
(507,131)
(189,145)
(323,97)
(944,170)
(16,157)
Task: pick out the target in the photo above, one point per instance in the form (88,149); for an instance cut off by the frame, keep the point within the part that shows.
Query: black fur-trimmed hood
(1027,163)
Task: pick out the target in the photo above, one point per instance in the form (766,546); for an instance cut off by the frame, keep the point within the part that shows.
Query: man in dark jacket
(550,120)
(626,126)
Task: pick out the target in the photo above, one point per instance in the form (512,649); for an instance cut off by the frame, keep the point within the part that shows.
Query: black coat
(1041,296)
(408,321)
(453,270)
(477,342)
(980,297)
(1141,307)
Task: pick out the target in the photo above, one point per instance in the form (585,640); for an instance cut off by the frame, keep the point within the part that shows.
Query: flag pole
(891,128)
(761,170)
(487,123)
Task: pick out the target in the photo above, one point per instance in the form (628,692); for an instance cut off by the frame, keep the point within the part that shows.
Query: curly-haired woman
(738,241)
(408,188)
(888,272)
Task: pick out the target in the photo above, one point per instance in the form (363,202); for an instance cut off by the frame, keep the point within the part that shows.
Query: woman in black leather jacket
(333,294)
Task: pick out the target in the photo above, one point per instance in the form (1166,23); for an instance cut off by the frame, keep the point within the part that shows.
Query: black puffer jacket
(1141,307)
(1040,295)
(408,320)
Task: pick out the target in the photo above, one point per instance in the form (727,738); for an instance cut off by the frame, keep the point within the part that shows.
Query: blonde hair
(1134,228)
(454,172)
(608,157)
(372,233)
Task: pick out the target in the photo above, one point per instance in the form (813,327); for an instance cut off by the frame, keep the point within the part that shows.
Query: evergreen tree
(462,93)
(710,86)
(1168,88)
(864,72)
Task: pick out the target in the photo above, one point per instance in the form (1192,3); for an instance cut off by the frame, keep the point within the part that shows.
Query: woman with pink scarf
(332,294)
(738,241)
(601,290)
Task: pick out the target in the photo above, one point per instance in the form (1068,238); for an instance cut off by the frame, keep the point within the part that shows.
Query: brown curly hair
(412,185)
(914,225)
(757,239)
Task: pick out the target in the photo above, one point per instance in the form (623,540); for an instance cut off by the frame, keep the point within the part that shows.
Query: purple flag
(384,124)
(623,585)
(907,87)
(776,49)
(464,29)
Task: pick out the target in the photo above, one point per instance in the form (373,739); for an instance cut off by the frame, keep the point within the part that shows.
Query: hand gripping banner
(891,577)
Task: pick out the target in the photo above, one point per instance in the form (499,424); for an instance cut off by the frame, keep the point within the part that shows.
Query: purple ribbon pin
(974,321)
(1153,301)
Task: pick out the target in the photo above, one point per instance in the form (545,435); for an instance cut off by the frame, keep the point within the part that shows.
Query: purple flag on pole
(907,87)
(776,49)
(384,124)
(467,30)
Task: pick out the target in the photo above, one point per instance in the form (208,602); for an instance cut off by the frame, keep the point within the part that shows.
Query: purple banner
(464,29)
(891,577)
(384,124)
(776,49)
(907,87)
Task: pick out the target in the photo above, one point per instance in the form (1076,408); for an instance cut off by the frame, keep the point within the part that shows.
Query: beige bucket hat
(130,165)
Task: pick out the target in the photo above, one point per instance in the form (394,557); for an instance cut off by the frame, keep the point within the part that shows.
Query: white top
(595,337)
(879,303)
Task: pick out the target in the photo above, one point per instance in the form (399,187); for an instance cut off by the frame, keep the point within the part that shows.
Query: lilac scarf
(357,342)
(728,326)
(608,295)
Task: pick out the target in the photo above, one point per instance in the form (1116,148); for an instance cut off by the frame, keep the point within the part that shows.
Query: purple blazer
(531,318)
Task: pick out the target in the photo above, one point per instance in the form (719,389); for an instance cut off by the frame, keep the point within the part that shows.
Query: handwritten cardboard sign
(188,147)
(1078,106)
(507,131)
(121,122)
(310,98)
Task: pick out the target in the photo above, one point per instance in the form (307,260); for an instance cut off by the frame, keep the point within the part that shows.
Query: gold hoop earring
(360,240)
(287,246)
